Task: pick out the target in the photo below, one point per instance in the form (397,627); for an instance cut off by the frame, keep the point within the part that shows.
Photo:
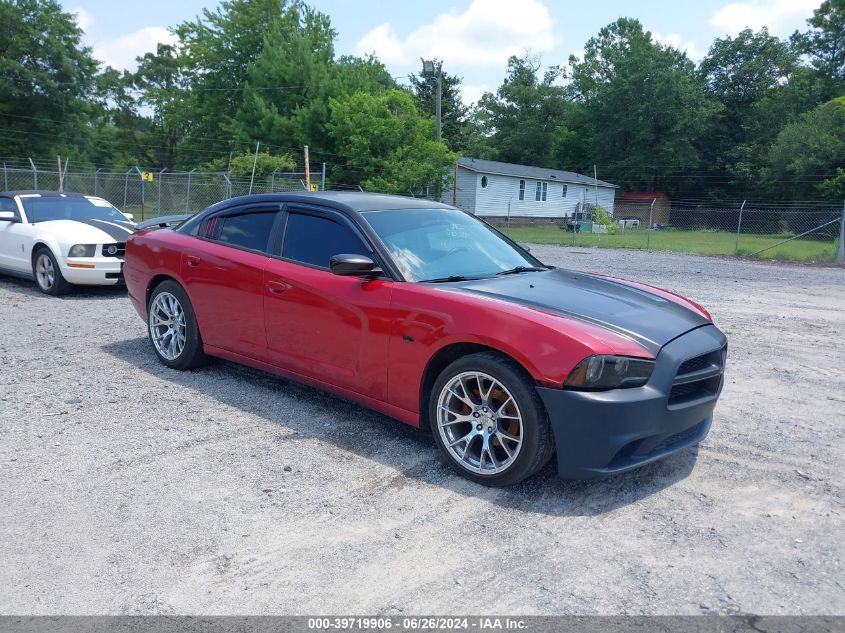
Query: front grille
(698,377)
(119,250)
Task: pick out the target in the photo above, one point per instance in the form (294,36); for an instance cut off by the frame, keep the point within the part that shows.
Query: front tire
(488,420)
(48,275)
(172,327)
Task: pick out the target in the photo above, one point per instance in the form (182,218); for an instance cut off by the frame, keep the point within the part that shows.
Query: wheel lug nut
(490,429)
(478,428)
(475,415)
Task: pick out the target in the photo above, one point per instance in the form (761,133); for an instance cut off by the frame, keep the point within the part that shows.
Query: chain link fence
(148,194)
(806,231)
(809,231)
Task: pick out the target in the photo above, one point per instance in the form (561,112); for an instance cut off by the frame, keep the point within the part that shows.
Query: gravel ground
(129,488)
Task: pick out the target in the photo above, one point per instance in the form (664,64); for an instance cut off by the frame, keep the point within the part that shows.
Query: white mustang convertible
(60,239)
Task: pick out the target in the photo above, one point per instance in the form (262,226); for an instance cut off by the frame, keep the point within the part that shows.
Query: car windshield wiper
(441,280)
(521,269)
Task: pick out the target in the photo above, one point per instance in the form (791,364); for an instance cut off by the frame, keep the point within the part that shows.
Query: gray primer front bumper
(605,432)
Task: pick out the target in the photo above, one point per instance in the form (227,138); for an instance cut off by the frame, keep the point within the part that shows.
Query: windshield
(432,244)
(43,209)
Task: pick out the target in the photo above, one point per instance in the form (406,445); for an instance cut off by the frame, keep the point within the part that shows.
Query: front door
(13,238)
(328,327)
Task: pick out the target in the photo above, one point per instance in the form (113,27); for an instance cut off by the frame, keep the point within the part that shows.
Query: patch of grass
(703,242)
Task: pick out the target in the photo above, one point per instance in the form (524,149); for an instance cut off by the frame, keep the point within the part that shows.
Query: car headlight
(82,250)
(609,372)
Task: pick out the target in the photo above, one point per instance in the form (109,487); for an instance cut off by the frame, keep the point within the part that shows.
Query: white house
(492,189)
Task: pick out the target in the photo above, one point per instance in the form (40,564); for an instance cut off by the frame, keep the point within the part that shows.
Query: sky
(474,38)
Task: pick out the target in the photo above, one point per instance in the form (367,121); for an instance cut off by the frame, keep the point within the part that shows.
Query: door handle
(277,287)
(192,260)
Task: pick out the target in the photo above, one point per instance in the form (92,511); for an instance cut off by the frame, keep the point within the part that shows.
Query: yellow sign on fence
(147,175)
(314,187)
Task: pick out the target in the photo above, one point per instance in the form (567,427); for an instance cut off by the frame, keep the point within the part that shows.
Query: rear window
(249,230)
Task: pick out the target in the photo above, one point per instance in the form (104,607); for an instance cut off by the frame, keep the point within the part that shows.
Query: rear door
(223,271)
(328,327)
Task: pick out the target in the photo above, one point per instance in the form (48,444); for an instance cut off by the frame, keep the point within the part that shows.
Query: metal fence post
(126,187)
(96,176)
(160,183)
(840,252)
(650,224)
(228,186)
(739,227)
(323,179)
(273,182)
(188,199)
(5,178)
(34,175)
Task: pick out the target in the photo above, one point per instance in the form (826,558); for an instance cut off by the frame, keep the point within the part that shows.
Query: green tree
(640,110)
(524,115)
(46,76)
(825,44)
(161,82)
(387,143)
(749,75)
(809,153)
(220,47)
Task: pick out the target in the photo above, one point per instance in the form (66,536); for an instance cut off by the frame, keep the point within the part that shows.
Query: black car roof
(350,201)
(44,193)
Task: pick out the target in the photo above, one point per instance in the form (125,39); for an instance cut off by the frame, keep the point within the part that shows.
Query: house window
(484,182)
(522,190)
(541,191)
(564,191)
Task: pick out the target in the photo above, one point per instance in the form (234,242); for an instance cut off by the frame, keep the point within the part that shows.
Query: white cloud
(83,18)
(782,17)
(120,52)
(675,40)
(471,93)
(484,35)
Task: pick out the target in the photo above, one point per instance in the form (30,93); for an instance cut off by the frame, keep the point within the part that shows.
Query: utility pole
(307,170)
(429,70)
(439,108)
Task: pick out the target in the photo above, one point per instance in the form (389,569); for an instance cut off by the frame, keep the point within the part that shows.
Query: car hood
(87,231)
(647,318)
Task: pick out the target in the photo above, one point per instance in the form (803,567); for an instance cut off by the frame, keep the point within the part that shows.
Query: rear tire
(48,275)
(488,420)
(172,327)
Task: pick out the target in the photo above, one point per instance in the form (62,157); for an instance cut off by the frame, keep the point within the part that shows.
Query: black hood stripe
(644,317)
(118,232)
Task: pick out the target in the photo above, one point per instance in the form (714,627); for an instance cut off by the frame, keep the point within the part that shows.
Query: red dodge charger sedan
(427,314)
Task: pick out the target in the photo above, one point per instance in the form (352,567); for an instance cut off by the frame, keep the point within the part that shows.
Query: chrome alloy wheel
(44,271)
(167,325)
(480,423)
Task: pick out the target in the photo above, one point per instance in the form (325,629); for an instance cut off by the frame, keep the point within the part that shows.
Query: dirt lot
(126,487)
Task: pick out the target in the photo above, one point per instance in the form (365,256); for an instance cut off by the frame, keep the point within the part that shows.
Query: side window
(314,240)
(7,204)
(247,230)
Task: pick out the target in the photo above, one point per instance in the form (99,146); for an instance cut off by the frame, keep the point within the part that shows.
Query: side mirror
(353,265)
(8,216)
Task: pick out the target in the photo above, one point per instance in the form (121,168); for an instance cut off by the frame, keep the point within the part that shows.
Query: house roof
(527,171)
(639,196)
